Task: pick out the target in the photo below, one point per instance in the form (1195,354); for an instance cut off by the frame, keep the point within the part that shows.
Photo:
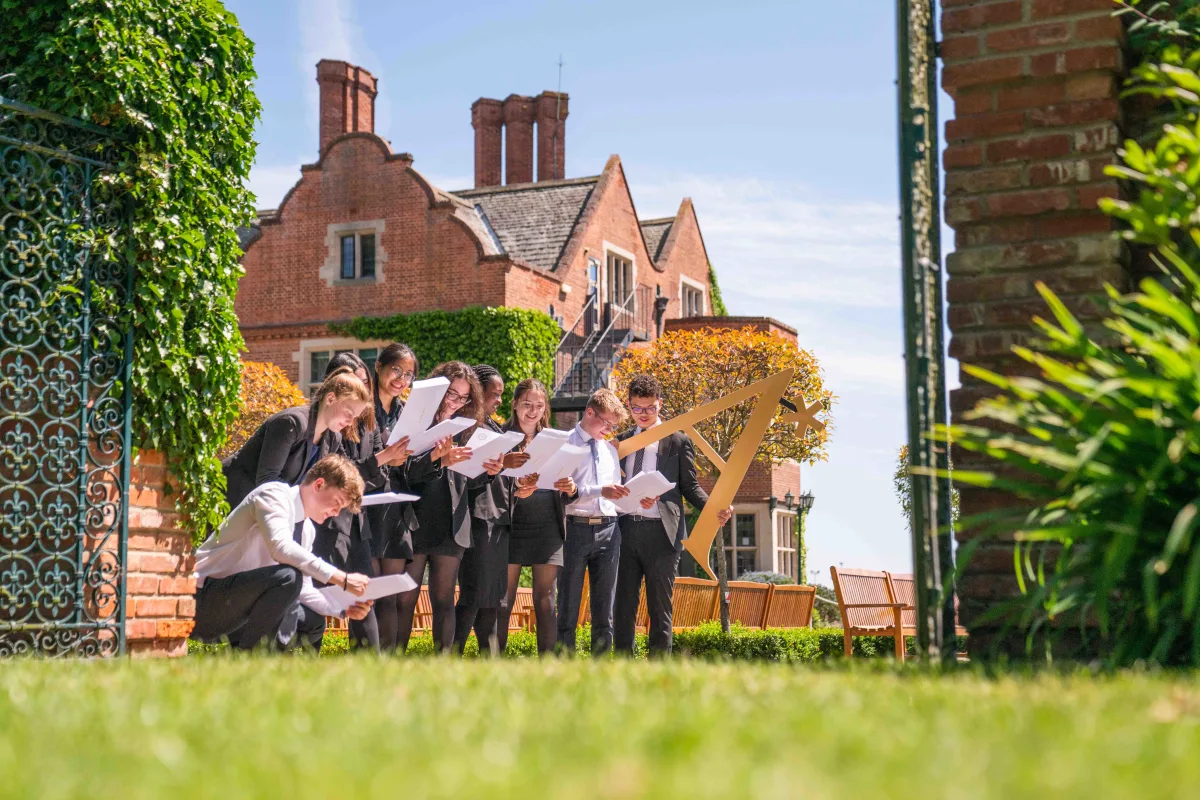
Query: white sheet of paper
(486,445)
(424,399)
(562,464)
(642,485)
(382,498)
(427,439)
(543,446)
(382,586)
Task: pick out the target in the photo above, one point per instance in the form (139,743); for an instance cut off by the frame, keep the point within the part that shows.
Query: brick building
(362,233)
(765,532)
(1037,118)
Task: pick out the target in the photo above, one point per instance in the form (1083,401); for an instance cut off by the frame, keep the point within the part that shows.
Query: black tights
(443,574)
(387,609)
(484,620)
(545,580)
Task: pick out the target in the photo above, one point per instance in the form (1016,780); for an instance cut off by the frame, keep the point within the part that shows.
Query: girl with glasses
(443,514)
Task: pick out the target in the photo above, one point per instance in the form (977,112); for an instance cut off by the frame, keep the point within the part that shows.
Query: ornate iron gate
(65,352)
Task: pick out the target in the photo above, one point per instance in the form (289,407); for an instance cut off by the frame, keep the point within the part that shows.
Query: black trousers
(352,553)
(247,607)
(646,552)
(592,548)
(309,628)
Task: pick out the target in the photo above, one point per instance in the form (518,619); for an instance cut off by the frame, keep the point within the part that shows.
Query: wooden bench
(868,607)
(748,603)
(790,607)
(522,617)
(695,601)
(904,590)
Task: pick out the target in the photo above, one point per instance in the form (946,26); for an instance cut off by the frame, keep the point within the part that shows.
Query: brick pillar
(160,599)
(518,133)
(487,118)
(552,136)
(347,100)
(1035,86)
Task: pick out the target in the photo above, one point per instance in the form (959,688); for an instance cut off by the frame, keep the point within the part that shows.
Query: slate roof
(656,231)
(532,221)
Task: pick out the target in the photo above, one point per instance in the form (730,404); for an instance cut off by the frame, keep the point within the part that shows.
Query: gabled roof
(656,231)
(532,221)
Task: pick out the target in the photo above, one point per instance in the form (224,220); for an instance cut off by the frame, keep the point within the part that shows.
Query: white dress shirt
(258,533)
(649,464)
(591,503)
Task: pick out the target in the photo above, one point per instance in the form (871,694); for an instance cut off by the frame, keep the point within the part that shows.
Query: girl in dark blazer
(289,442)
(391,525)
(483,575)
(345,540)
(443,514)
(538,519)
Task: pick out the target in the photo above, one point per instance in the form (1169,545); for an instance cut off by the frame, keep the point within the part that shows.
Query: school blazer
(677,463)
(277,451)
(334,535)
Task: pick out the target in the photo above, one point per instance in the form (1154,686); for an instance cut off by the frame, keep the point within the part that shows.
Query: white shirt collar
(657,422)
(587,437)
(297,505)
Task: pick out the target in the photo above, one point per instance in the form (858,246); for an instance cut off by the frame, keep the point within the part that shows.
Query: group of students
(297,522)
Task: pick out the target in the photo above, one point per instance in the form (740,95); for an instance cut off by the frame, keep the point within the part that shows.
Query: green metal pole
(920,222)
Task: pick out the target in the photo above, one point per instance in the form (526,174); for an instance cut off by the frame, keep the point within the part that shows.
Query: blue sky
(777,119)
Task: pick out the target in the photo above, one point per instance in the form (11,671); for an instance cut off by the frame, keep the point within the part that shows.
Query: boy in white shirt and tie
(254,569)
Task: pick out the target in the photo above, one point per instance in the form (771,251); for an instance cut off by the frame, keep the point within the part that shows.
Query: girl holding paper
(443,514)
(291,441)
(391,524)
(538,522)
(345,540)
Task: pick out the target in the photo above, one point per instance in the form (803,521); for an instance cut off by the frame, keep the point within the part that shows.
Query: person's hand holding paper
(643,486)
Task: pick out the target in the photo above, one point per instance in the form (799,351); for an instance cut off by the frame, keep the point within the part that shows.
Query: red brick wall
(763,481)
(683,254)
(1036,119)
(759,324)
(518,139)
(160,601)
(552,136)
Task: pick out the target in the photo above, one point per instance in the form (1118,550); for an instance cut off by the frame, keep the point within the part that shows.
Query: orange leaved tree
(266,389)
(698,366)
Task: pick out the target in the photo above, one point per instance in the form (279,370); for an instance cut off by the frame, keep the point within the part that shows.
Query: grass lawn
(361,727)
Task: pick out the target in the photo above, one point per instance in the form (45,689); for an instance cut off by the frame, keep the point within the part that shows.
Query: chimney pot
(552,134)
(487,118)
(347,100)
(519,115)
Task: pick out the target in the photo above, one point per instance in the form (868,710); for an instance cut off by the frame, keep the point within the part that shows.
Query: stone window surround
(331,270)
(307,346)
(684,280)
(611,249)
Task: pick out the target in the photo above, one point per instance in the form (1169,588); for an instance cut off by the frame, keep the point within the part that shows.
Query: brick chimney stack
(347,99)
(519,115)
(487,118)
(552,134)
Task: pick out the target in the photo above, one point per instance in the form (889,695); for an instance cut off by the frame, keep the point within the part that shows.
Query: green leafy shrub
(1104,446)
(172,80)
(714,294)
(775,578)
(520,342)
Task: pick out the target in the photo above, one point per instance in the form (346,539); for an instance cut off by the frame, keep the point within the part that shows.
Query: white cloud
(330,29)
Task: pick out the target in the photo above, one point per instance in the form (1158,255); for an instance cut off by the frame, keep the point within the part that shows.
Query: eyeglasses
(397,372)
(644,409)
(455,397)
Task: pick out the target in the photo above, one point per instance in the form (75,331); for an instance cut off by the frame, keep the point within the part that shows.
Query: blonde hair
(603,401)
(343,384)
(340,473)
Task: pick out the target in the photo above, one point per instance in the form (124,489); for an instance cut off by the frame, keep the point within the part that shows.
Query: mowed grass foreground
(362,727)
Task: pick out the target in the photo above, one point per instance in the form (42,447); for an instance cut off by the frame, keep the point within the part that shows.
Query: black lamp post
(789,500)
(806,501)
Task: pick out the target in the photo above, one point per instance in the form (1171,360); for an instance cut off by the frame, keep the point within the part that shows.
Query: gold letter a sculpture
(769,392)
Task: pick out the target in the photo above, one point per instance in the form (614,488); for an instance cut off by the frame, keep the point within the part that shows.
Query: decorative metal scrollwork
(64,397)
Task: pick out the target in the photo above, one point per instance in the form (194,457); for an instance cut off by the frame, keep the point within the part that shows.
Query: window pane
(348,257)
(368,355)
(745,530)
(318,362)
(745,561)
(367,243)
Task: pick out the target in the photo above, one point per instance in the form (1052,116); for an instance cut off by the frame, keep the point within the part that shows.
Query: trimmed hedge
(520,342)
(790,645)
